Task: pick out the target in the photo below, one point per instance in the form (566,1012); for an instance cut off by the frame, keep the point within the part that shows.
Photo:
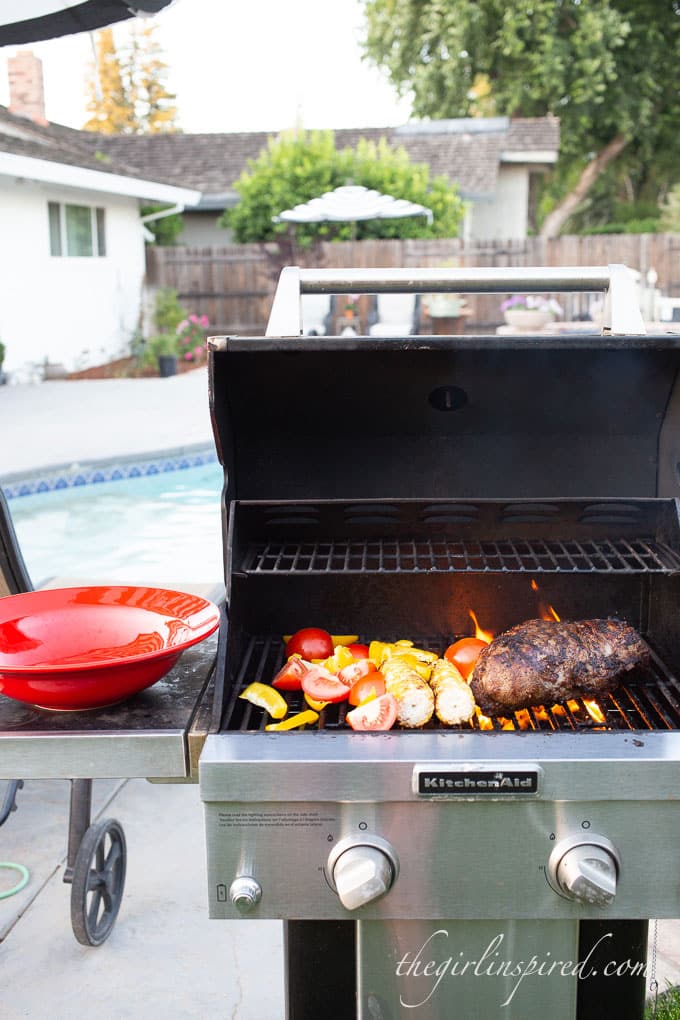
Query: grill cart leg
(320,965)
(603,943)
(95,868)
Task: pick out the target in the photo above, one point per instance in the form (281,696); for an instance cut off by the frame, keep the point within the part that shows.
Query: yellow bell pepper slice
(266,697)
(293,721)
(340,658)
(318,706)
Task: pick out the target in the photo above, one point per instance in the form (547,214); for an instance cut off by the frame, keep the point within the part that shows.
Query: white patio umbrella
(349,204)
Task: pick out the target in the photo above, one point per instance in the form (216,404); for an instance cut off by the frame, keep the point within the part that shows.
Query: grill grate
(649,700)
(613,556)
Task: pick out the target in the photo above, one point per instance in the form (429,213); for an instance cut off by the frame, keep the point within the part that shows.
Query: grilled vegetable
(453,700)
(323,686)
(369,687)
(340,658)
(289,678)
(310,643)
(464,654)
(295,721)
(267,698)
(378,714)
(414,697)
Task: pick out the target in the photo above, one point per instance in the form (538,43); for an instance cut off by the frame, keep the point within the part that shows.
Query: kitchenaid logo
(477,782)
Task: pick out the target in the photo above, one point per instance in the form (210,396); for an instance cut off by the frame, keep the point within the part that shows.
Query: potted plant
(2,358)
(527,312)
(448,312)
(162,349)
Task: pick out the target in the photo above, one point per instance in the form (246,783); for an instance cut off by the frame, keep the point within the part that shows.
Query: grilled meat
(542,662)
(453,700)
(415,700)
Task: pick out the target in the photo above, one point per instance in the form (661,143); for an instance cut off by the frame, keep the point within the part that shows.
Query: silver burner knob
(245,893)
(362,871)
(585,871)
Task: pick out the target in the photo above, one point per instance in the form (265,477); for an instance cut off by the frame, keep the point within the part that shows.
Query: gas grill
(396,488)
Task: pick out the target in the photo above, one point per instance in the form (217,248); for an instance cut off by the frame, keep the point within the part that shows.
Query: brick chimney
(26,94)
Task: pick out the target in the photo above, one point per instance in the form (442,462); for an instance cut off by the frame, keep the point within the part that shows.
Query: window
(76,229)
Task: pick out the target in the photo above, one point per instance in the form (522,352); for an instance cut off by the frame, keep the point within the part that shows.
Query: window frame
(97,217)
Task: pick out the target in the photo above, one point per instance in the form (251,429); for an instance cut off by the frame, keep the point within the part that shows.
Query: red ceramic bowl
(76,648)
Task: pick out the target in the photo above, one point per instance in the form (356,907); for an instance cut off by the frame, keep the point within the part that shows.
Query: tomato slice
(369,687)
(355,671)
(310,643)
(378,714)
(464,654)
(290,676)
(358,651)
(321,685)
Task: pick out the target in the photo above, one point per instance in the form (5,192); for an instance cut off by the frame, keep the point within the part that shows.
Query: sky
(257,65)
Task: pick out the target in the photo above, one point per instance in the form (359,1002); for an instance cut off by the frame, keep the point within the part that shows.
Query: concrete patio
(164,958)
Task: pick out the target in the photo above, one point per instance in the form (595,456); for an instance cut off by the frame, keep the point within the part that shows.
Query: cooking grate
(614,556)
(649,700)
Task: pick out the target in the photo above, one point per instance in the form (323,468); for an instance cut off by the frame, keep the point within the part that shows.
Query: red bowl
(75,648)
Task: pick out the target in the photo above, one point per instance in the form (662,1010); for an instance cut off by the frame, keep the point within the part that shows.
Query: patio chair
(96,874)
(395,315)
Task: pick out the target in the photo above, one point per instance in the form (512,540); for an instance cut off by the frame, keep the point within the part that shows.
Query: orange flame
(594,711)
(483,721)
(545,611)
(482,635)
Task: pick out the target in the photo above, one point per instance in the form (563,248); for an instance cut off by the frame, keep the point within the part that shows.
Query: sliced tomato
(355,671)
(464,654)
(358,651)
(369,687)
(321,685)
(378,714)
(310,643)
(290,676)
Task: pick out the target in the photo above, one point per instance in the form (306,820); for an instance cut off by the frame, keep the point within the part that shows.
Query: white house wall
(505,215)
(77,311)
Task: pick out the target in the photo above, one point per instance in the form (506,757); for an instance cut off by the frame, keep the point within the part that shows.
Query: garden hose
(20,884)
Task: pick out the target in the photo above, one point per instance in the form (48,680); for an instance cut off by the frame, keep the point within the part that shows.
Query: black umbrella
(71,17)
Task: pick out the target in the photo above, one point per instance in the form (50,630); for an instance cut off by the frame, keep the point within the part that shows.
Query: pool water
(160,529)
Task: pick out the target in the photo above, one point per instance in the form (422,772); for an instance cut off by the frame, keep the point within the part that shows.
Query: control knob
(585,871)
(362,871)
(245,893)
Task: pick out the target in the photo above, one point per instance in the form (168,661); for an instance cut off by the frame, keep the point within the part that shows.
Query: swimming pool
(160,529)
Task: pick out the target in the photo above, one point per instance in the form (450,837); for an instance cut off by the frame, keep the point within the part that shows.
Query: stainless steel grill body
(385,489)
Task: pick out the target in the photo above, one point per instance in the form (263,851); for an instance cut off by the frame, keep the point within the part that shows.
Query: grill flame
(594,711)
(545,611)
(482,635)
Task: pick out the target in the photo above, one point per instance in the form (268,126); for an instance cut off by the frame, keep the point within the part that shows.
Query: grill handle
(622,314)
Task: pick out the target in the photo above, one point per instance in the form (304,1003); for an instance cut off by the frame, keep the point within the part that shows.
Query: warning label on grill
(273,819)
(476,782)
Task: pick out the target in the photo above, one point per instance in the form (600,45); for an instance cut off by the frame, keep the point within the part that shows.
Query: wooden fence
(234,285)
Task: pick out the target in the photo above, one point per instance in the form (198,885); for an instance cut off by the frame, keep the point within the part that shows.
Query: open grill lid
(448,417)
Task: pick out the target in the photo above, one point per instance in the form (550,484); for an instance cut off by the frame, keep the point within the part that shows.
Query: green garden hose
(20,884)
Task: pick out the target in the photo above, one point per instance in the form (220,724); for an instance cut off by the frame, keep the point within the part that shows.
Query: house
(71,236)
(494,161)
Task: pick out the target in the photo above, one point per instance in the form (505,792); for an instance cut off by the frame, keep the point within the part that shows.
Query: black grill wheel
(98,882)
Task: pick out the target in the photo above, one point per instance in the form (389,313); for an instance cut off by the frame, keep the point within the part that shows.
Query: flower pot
(167,365)
(527,318)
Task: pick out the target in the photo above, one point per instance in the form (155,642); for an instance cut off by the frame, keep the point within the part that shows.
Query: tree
(298,166)
(608,70)
(127,92)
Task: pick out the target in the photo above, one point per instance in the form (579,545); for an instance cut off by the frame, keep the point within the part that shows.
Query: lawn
(667,1007)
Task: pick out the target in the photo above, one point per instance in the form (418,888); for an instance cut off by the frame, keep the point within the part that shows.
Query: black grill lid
(450,417)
